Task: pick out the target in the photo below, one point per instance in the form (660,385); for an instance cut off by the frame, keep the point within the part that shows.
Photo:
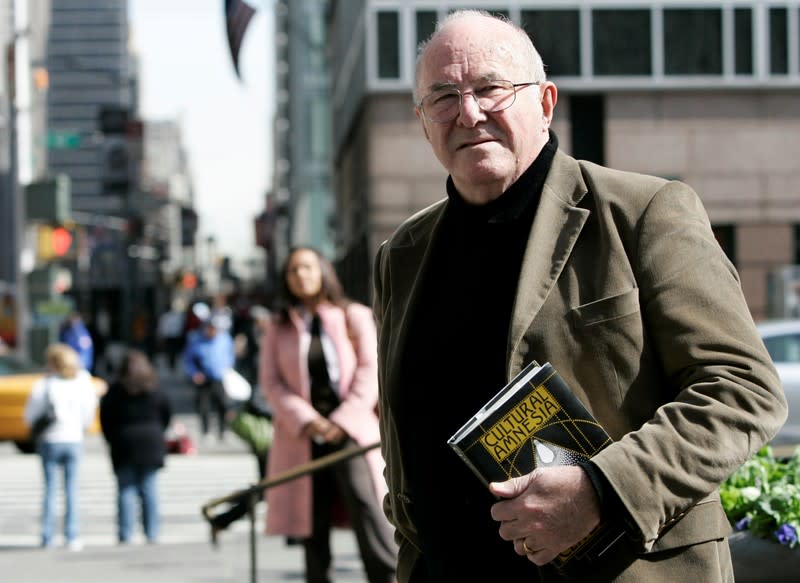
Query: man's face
(484,152)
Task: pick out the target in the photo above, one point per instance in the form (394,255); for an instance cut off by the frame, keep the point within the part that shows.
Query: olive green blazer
(625,290)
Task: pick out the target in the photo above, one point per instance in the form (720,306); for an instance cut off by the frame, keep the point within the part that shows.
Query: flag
(237,17)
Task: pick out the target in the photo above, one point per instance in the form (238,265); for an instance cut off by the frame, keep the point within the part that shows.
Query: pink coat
(285,381)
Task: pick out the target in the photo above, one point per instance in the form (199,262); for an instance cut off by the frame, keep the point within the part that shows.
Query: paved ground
(185,553)
(175,563)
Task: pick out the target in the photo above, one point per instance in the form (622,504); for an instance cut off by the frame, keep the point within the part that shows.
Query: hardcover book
(537,421)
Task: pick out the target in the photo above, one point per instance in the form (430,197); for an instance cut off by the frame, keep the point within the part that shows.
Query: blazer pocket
(606,309)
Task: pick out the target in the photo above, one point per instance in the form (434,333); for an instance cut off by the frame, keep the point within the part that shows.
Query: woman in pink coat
(318,369)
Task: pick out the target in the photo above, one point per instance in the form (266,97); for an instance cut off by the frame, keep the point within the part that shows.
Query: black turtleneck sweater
(455,360)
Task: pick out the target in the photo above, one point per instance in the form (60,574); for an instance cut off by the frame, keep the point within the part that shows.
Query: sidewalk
(177,563)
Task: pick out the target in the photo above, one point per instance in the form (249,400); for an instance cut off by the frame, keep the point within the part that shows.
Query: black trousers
(352,481)
(239,508)
(208,395)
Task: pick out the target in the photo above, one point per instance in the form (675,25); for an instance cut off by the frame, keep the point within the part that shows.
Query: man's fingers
(509,488)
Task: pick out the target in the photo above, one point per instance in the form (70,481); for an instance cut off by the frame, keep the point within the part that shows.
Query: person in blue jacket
(209,353)
(73,333)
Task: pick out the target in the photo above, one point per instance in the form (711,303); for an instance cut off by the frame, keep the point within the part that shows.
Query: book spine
(465,458)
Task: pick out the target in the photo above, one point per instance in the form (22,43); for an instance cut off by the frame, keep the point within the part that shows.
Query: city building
(73,166)
(707,92)
(166,176)
(302,144)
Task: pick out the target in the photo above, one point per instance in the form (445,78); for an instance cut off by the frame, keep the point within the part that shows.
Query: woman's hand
(322,430)
(335,434)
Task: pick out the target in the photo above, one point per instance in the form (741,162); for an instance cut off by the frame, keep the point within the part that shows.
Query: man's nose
(470,112)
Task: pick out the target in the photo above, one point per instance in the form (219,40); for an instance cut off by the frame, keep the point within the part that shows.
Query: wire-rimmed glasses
(444,104)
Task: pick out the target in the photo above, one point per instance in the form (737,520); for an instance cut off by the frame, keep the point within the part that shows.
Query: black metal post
(252,501)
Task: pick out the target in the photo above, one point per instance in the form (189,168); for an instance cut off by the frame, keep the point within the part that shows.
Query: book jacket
(537,421)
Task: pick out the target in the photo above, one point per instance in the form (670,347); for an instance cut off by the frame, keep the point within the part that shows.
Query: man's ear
(549,99)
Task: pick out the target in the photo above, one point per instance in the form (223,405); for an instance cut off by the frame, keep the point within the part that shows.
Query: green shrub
(763,497)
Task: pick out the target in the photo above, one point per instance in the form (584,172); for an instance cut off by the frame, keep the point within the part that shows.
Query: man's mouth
(477,142)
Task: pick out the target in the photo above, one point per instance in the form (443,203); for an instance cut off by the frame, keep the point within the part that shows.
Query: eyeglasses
(443,105)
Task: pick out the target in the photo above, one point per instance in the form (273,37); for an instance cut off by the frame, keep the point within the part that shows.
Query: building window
(587,122)
(492,11)
(621,41)
(426,25)
(388,45)
(726,237)
(692,42)
(796,260)
(556,34)
(503,13)
(743,41)
(778,42)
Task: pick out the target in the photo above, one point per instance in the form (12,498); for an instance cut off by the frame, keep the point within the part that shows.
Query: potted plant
(762,502)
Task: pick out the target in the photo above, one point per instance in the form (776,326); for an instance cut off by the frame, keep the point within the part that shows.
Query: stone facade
(738,150)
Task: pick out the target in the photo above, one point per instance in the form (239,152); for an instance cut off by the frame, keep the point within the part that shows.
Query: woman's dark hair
(137,374)
(331,290)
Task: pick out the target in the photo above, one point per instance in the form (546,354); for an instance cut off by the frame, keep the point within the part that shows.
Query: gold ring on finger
(526,548)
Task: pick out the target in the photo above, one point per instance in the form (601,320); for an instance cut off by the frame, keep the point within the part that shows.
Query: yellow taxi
(17,377)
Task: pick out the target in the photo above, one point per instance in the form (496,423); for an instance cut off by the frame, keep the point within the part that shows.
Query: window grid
(742,64)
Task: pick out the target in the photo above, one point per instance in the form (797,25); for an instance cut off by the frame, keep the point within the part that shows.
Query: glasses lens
(495,95)
(442,105)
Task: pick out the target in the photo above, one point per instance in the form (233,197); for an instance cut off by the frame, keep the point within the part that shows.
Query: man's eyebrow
(449,85)
(442,85)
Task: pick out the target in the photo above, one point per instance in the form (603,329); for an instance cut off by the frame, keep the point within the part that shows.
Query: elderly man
(614,278)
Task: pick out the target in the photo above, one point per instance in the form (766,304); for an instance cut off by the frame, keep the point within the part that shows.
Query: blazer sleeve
(725,399)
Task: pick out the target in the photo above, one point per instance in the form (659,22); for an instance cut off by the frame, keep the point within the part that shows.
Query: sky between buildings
(186,74)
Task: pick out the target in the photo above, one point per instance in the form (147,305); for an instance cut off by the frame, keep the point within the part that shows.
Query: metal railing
(255,493)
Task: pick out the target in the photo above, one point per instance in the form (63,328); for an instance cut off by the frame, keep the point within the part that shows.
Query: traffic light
(52,242)
(49,199)
(113,119)
(116,161)
(188,226)
(134,227)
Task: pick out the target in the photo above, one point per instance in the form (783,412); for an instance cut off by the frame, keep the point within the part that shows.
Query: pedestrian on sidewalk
(209,353)
(74,333)
(318,370)
(252,423)
(169,332)
(68,386)
(134,415)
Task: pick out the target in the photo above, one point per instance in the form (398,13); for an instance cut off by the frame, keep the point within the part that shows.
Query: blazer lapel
(555,229)
(408,260)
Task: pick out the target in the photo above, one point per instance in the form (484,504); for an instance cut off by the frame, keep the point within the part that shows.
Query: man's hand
(546,511)
(198,378)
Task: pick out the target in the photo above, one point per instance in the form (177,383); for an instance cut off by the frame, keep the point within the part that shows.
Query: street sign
(63,139)
(55,309)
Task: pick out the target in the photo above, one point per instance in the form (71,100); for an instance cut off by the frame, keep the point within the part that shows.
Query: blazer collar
(556,227)
(409,258)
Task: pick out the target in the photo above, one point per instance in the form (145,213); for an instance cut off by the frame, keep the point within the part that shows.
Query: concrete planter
(758,560)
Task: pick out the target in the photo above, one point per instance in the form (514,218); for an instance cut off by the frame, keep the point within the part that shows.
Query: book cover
(536,421)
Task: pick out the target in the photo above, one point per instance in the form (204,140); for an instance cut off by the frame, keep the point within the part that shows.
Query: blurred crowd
(296,383)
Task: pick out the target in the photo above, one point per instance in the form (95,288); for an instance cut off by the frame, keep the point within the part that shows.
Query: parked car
(17,377)
(782,338)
